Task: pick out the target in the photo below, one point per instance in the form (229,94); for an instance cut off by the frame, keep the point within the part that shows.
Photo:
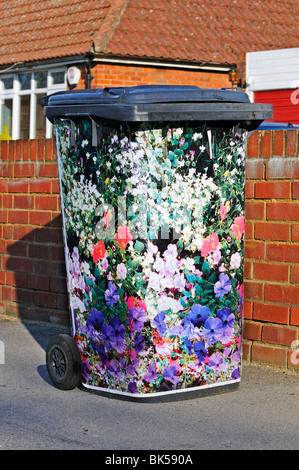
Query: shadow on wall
(36,287)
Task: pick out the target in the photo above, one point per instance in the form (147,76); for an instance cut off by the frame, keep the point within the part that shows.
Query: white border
(65,245)
(159,394)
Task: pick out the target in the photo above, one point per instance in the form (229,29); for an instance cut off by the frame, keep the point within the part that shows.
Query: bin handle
(73,137)
(94,136)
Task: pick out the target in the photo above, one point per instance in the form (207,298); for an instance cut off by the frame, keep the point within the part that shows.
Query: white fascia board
(272,70)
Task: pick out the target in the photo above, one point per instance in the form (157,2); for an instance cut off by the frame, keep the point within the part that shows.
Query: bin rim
(146,94)
(156,103)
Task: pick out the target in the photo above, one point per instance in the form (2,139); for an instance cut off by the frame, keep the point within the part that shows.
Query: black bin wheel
(64,362)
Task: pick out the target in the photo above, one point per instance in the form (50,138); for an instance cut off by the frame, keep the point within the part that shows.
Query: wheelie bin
(152,196)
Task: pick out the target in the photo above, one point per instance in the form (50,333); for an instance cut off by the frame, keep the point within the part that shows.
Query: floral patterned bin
(153,221)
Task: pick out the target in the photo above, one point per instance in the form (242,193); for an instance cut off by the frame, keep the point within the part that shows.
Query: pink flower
(223,211)
(240,289)
(107,217)
(216,256)
(133,302)
(238,227)
(104,263)
(123,236)
(211,243)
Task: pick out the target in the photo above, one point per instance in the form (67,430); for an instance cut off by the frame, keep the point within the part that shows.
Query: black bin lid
(156,103)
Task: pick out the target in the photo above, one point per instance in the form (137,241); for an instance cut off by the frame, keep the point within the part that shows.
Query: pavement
(261,415)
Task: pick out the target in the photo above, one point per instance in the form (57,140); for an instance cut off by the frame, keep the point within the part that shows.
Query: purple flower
(169,373)
(151,374)
(236,373)
(158,322)
(86,370)
(227,318)
(212,329)
(139,343)
(96,319)
(113,335)
(111,294)
(188,345)
(131,368)
(223,286)
(117,337)
(102,353)
(88,330)
(189,330)
(137,317)
(198,315)
(200,350)
(115,369)
(217,362)
(132,388)
(107,332)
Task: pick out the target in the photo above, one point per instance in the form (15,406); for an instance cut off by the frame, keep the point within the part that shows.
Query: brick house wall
(108,75)
(32,272)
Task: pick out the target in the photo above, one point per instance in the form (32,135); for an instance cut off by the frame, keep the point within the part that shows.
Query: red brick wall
(32,273)
(271,289)
(122,75)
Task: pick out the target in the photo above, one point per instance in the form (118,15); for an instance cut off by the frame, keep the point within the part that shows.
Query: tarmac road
(262,414)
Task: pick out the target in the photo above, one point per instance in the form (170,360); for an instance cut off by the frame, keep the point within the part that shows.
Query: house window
(21,115)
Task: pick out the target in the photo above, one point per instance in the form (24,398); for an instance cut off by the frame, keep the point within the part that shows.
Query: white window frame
(15,94)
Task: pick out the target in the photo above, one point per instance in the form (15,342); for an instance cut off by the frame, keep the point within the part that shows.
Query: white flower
(167,283)
(164,349)
(165,303)
(159,264)
(188,263)
(114,139)
(78,304)
(196,136)
(124,142)
(84,143)
(179,281)
(121,271)
(154,281)
(235,261)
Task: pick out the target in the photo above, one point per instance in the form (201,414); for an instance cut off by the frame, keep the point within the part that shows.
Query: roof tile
(193,30)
